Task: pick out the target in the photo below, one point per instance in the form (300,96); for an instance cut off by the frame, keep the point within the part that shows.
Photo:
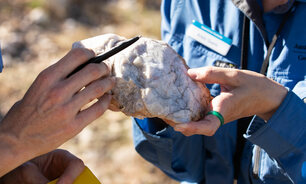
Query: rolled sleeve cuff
(284,131)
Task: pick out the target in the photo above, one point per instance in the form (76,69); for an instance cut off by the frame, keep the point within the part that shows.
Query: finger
(93,112)
(85,76)
(226,104)
(95,90)
(99,43)
(71,61)
(30,173)
(71,173)
(113,107)
(232,105)
(169,122)
(33,175)
(73,169)
(208,126)
(218,75)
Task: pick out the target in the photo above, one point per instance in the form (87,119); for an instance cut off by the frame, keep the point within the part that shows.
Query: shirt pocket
(269,171)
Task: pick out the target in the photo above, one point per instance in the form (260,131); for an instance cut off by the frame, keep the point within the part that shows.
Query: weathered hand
(43,169)
(51,112)
(243,93)
(100,44)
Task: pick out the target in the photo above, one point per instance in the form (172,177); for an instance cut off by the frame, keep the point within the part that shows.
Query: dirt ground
(36,33)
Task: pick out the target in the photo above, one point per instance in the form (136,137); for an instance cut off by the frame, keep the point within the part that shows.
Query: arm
(51,111)
(243,93)
(283,136)
(280,124)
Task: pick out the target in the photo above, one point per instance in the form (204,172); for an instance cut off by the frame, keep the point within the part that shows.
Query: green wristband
(218,115)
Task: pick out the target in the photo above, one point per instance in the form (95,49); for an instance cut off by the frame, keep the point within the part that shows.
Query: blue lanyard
(243,123)
(1,62)
(245,42)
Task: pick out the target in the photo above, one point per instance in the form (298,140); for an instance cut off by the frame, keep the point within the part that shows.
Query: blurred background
(36,33)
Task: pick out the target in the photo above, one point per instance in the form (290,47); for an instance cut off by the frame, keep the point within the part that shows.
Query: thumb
(210,75)
(227,105)
(71,172)
(32,174)
(207,126)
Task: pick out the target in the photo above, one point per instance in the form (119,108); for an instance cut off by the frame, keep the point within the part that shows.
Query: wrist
(12,152)
(272,99)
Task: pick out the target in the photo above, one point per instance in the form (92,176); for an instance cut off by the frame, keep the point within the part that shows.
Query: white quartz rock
(151,80)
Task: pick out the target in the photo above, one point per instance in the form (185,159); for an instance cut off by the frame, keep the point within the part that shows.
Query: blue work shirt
(1,62)
(202,159)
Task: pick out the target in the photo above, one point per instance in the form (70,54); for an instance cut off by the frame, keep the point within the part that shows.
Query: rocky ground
(36,33)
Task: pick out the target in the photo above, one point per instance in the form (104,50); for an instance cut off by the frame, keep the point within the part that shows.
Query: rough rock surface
(151,80)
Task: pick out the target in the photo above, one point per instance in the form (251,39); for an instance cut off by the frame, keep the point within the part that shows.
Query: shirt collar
(253,10)
(283,8)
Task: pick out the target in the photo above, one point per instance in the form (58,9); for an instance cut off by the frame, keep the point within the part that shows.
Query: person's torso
(287,65)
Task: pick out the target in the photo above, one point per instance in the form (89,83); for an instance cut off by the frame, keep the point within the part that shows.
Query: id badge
(210,38)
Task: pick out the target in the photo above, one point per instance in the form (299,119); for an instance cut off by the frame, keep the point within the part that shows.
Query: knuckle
(65,112)
(44,77)
(107,83)
(208,71)
(78,162)
(99,90)
(110,82)
(55,95)
(26,168)
(94,70)
(100,111)
(82,53)
(77,52)
(236,76)
(104,69)
(102,108)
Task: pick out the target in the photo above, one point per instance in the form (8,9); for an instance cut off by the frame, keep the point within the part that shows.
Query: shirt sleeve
(165,22)
(166,149)
(1,62)
(283,136)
